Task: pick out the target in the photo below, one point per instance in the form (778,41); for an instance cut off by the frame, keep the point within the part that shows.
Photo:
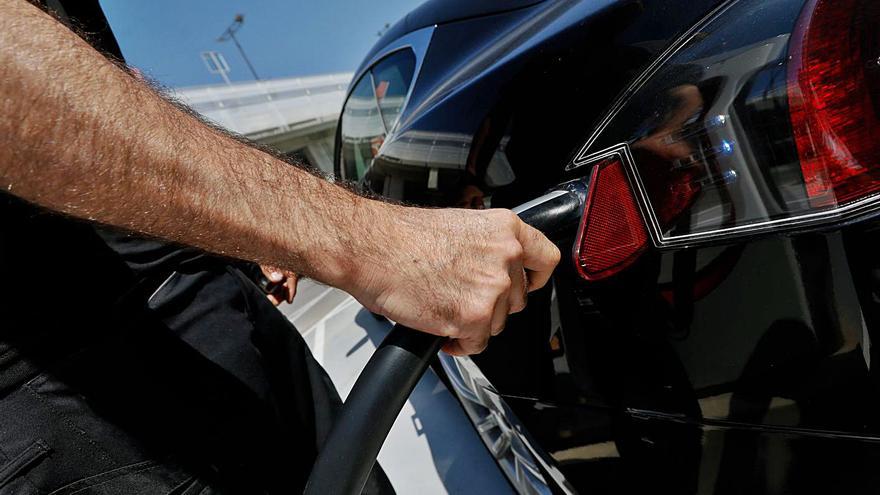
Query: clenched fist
(450,272)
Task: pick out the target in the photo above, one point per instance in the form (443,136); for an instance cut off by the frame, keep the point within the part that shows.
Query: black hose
(370,410)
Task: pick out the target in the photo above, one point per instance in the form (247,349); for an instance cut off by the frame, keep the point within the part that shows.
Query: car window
(362,129)
(392,78)
(372,111)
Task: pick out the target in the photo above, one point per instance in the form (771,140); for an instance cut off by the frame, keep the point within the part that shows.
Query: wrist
(359,244)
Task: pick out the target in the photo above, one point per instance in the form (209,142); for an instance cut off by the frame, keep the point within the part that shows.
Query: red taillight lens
(762,118)
(612,233)
(832,101)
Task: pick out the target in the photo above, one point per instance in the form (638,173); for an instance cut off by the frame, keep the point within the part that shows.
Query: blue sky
(281,37)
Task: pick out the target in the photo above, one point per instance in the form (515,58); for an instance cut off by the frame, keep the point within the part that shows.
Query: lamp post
(229,34)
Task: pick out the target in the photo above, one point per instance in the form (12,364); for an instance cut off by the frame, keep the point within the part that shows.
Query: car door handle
(386,382)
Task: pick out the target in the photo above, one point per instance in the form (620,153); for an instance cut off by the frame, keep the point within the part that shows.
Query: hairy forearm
(80,135)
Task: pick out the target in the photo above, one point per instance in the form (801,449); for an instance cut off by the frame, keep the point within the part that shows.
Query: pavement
(432,447)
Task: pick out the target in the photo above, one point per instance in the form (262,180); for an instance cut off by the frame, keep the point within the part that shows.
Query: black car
(710,331)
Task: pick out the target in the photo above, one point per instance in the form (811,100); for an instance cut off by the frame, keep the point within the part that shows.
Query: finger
(274,300)
(453,348)
(465,347)
(272,273)
(519,289)
(282,294)
(540,256)
(475,346)
(499,316)
(290,285)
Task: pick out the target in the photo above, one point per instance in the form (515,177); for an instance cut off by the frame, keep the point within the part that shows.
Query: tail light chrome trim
(856,210)
(583,157)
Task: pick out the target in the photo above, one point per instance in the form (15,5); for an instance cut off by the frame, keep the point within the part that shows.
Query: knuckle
(503,285)
(498,328)
(505,219)
(451,331)
(518,306)
(514,251)
(511,218)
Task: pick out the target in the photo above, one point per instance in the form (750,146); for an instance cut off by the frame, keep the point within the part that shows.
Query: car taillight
(612,233)
(832,100)
(762,118)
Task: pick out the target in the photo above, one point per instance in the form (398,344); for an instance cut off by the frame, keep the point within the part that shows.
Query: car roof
(443,11)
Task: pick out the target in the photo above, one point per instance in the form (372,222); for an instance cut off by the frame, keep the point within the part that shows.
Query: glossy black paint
(442,12)
(737,367)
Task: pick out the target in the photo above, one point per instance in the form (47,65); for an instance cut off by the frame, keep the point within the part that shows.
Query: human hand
(450,272)
(283,282)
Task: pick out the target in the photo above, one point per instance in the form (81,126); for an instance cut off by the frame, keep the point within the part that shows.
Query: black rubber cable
(372,406)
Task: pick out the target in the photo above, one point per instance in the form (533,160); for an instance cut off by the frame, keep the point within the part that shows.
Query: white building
(296,115)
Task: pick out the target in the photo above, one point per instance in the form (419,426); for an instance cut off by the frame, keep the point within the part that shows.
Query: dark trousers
(205,389)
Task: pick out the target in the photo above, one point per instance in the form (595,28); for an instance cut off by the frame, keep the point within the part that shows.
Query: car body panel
(434,12)
(741,365)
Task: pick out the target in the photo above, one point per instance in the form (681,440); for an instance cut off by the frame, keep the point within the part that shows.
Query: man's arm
(81,136)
